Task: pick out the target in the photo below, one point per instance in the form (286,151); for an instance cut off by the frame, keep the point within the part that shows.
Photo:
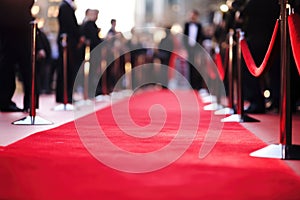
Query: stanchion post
(229,109)
(128,76)
(230,70)
(240,99)
(32,119)
(289,151)
(285,149)
(65,106)
(65,70)
(32,111)
(86,69)
(285,111)
(216,90)
(240,116)
(104,76)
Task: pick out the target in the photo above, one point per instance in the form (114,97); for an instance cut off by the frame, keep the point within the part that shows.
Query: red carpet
(55,164)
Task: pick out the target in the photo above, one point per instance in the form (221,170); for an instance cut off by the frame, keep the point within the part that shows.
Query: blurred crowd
(165,57)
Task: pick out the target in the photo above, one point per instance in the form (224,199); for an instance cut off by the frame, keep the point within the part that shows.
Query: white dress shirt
(193,30)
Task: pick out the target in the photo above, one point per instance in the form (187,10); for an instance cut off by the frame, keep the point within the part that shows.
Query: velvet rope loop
(294,29)
(219,63)
(253,69)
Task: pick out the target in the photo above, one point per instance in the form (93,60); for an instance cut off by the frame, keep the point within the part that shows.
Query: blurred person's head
(194,16)
(113,22)
(91,15)
(94,14)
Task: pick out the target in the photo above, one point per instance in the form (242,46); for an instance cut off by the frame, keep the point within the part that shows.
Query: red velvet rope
(253,69)
(219,63)
(294,29)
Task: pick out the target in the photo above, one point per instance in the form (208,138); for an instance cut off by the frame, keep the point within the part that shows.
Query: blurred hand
(41,54)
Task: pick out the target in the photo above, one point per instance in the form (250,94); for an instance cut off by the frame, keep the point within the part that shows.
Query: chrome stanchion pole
(65,70)
(103,66)
(285,149)
(128,81)
(86,70)
(104,76)
(240,99)
(128,78)
(240,116)
(229,109)
(86,74)
(230,71)
(215,102)
(285,108)
(33,119)
(65,106)
(289,151)
(216,90)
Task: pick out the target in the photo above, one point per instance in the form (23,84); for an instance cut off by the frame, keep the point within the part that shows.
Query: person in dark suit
(15,49)
(192,39)
(165,49)
(258,19)
(89,29)
(68,25)
(112,31)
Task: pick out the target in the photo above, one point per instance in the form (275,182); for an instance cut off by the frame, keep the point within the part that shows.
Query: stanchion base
(84,102)
(224,111)
(239,118)
(209,99)
(105,98)
(203,93)
(127,93)
(278,151)
(64,107)
(271,151)
(232,118)
(213,106)
(29,120)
